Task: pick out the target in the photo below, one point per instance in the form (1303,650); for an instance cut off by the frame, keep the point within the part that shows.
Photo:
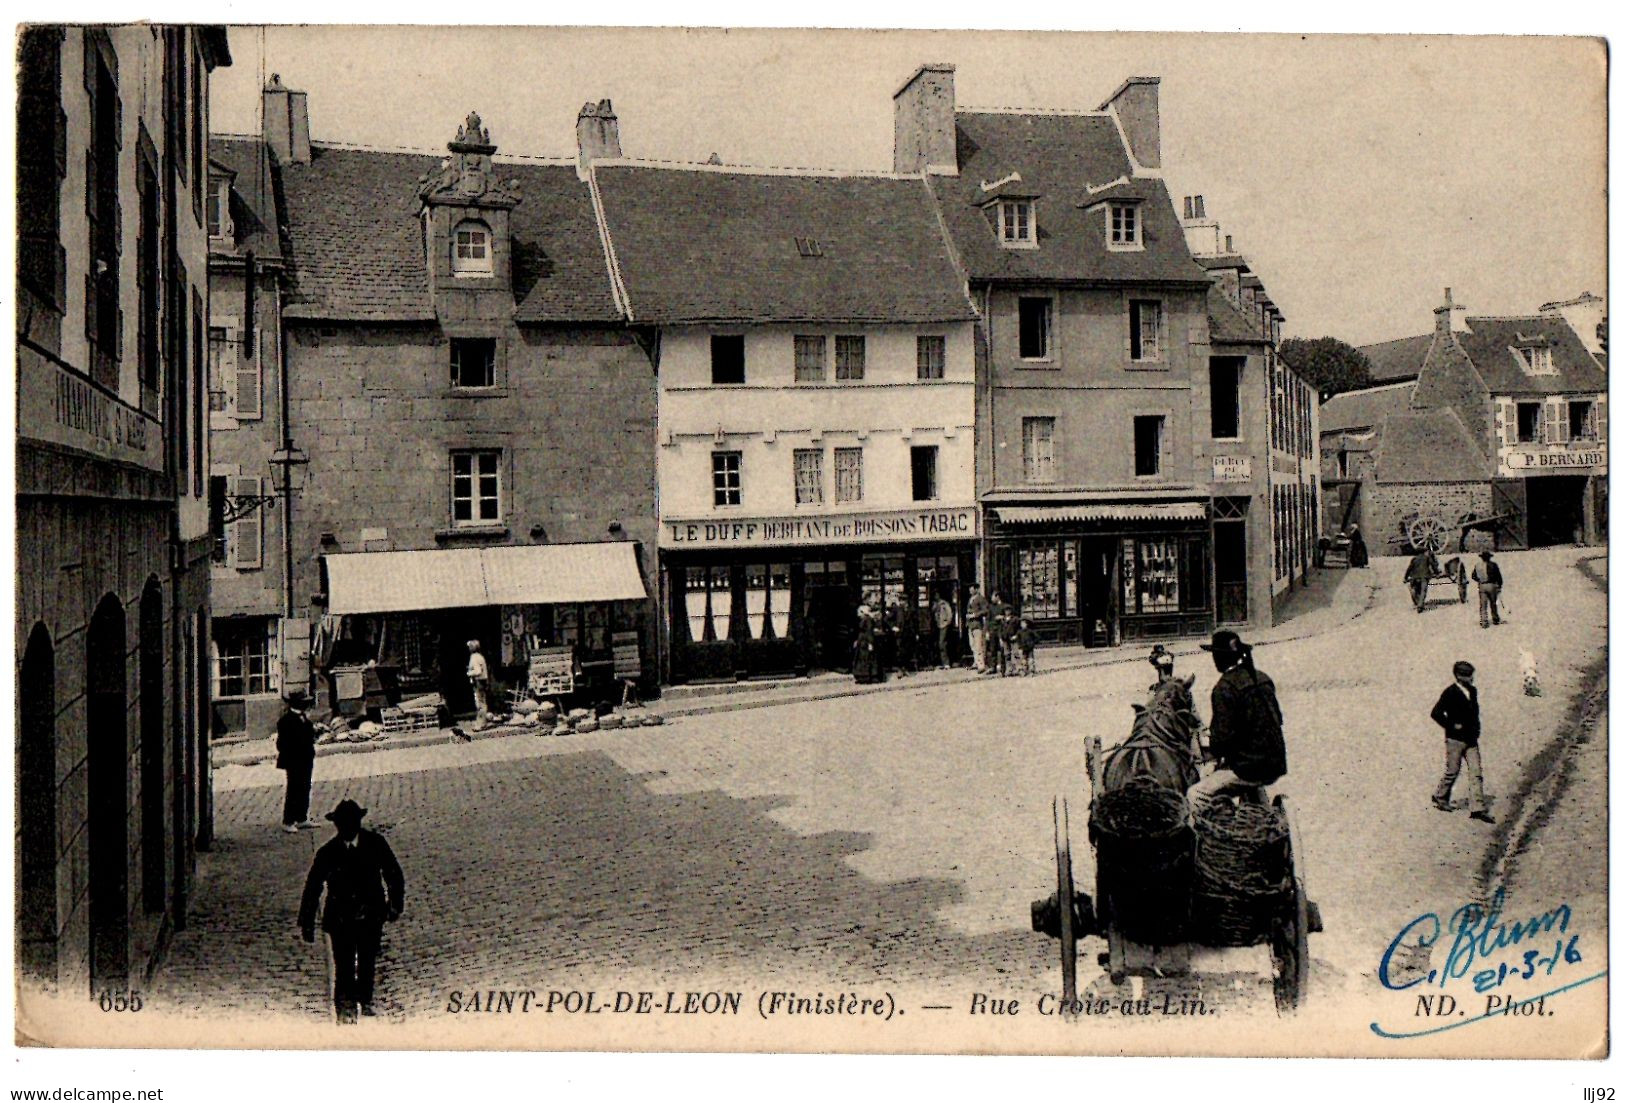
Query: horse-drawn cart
(1167,882)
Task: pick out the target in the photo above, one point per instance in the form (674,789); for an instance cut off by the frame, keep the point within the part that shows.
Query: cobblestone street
(890,842)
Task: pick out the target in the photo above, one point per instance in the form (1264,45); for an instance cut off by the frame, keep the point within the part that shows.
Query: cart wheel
(1426,531)
(1063,888)
(1289,932)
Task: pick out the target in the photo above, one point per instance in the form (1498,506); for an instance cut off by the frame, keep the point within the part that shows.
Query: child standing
(1028,640)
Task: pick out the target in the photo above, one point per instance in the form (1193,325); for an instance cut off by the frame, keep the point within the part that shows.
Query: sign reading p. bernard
(942,523)
(1539,461)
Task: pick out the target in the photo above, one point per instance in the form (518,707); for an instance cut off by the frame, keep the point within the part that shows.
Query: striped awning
(1104,511)
(539,574)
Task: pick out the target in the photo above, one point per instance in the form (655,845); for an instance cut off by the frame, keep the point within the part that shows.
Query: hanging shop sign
(951,523)
(1536,461)
(1232,469)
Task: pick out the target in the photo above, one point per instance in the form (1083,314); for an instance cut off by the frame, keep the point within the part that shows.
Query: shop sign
(1524,461)
(1232,469)
(854,528)
(61,407)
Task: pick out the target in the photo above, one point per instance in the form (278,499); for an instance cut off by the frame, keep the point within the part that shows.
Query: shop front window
(767,601)
(1039,567)
(708,602)
(1165,574)
(882,582)
(1159,576)
(243,648)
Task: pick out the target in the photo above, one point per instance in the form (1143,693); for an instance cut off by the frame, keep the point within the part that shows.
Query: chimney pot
(598,135)
(1229,245)
(1201,208)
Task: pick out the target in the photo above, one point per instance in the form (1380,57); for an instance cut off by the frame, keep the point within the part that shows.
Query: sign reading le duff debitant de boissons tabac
(921,524)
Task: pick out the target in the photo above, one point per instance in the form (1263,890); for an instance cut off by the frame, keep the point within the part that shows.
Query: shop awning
(542,574)
(1113,511)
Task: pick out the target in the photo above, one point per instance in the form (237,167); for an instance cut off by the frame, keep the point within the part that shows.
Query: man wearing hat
(1457,713)
(365,888)
(1249,748)
(1487,573)
(296,756)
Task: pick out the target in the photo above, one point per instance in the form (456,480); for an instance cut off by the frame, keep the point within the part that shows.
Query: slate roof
(705,245)
(1429,446)
(355,241)
(1364,409)
(1490,344)
(1222,260)
(1226,324)
(1059,158)
(253,197)
(1395,360)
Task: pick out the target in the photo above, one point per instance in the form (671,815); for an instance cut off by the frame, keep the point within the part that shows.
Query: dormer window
(471,249)
(1017,229)
(220,228)
(1536,359)
(1123,226)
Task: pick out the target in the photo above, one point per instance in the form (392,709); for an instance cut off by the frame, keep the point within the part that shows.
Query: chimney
(287,123)
(1201,232)
(598,135)
(1229,244)
(1135,105)
(923,116)
(1451,317)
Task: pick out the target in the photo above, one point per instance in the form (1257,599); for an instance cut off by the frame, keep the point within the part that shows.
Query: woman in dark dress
(1358,556)
(866,664)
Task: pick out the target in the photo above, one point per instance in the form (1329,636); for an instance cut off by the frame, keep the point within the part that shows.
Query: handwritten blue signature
(1539,946)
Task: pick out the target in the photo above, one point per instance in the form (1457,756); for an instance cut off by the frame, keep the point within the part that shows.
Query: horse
(1161,746)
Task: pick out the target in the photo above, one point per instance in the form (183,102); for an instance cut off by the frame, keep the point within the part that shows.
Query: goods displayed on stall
(413,714)
(552,670)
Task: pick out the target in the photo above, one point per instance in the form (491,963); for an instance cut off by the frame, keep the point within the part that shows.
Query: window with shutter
(247,387)
(247,532)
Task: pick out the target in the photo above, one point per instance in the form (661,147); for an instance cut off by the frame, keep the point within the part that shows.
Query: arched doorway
(36,809)
(151,709)
(108,737)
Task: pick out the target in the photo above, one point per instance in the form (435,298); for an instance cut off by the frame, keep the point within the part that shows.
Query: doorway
(1097,590)
(831,614)
(1230,569)
(150,706)
(36,810)
(108,735)
(1556,505)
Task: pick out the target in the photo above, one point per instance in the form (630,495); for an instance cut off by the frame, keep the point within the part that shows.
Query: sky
(1361,175)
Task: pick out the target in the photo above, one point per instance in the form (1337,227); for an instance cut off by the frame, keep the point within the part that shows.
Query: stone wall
(1384,505)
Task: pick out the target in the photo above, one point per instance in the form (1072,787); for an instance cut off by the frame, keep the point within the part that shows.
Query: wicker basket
(1143,857)
(1242,872)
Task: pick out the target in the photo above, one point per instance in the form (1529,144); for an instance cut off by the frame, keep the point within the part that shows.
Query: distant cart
(1431,532)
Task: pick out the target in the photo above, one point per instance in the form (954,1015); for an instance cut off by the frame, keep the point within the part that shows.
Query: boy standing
(1457,714)
(1028,640)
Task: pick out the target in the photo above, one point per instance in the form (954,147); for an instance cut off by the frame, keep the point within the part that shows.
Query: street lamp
(288,478)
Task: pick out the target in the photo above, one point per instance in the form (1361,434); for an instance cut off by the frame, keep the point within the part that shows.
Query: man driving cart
(1245,738)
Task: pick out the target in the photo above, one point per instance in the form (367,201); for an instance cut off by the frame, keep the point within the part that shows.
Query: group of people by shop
(1002,641)
(891,640)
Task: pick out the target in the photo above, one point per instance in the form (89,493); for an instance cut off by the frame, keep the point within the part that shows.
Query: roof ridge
(500,158)
(1511,318)
(754,170)
(1067,112)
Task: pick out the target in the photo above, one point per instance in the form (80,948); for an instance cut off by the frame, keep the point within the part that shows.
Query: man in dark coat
(1418,573)
(365,888)
(296,756)
(1487,573)
(1248,746)
(1457,713)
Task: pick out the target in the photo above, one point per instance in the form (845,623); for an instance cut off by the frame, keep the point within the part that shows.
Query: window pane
(1225,386)
(809,359)
(923,460)
(1147,445)
(1034,317)
(809,476)
(849,357)
(1159,575)
(1040,582)
(931,356)
(1038,449)
(728,359)
(849,474)
(1145,328)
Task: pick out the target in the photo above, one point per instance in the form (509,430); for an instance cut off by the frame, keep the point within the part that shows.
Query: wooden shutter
(247,532)
(229,355)
(247,386)
(1594,422)
(1509,423)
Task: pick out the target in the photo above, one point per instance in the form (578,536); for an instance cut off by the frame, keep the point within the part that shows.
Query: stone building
(479,420)
(1245,330)
(248,428)
(1502,416)
(817,407)
(1102,484)
(112,525)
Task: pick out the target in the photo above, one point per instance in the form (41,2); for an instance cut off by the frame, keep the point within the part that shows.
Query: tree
(1327,364)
